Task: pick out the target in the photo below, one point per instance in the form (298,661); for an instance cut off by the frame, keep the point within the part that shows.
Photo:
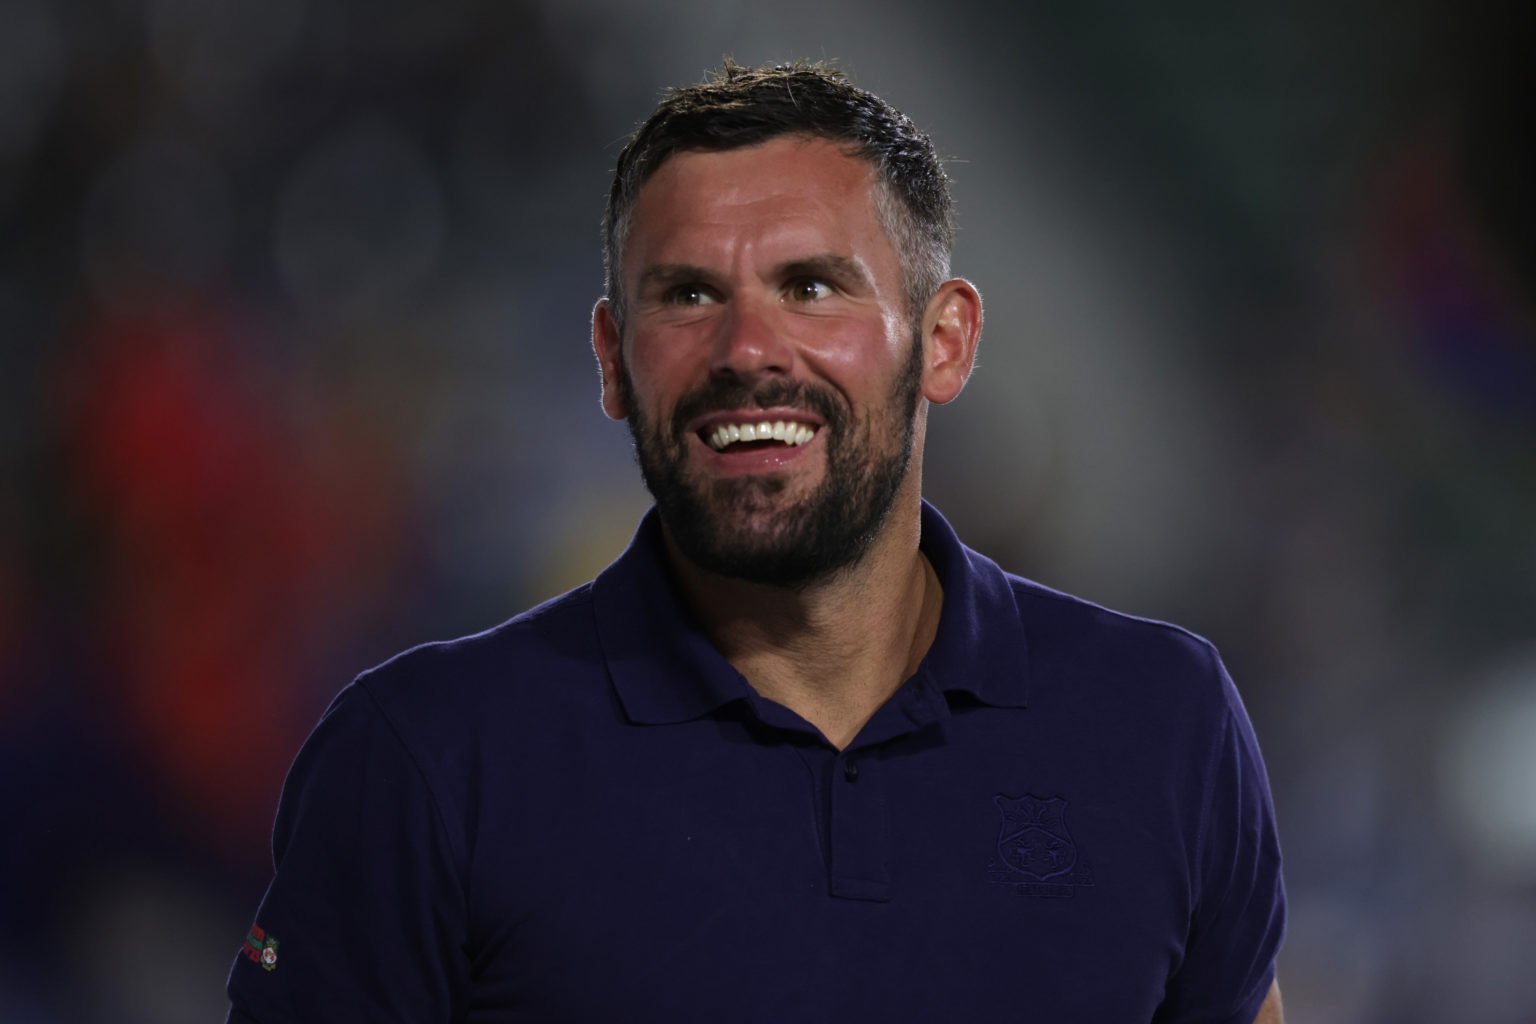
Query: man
(798,754)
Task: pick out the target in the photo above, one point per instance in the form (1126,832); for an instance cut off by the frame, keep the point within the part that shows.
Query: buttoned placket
(859,827)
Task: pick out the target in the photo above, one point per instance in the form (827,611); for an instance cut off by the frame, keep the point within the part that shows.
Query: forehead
(788,192)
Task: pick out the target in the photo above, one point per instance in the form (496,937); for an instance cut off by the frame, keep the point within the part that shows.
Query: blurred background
(294,373)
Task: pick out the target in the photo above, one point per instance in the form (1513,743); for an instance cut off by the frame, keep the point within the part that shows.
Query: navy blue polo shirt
(586,814)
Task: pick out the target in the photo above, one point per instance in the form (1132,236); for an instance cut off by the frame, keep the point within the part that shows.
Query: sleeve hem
(1250,1008)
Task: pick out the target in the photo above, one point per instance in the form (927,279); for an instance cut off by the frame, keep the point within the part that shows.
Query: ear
(605,342)
(951,329)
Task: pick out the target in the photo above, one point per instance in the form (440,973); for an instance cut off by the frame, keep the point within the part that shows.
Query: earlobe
(951,330)
(606,344)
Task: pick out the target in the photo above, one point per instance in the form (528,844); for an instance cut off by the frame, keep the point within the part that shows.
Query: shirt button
(851,771)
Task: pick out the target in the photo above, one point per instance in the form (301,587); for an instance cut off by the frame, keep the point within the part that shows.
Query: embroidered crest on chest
(1036,851)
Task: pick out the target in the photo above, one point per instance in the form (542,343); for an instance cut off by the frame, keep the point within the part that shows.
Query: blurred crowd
(294,373)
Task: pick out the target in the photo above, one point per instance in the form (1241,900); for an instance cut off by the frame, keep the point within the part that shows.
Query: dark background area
(295,373)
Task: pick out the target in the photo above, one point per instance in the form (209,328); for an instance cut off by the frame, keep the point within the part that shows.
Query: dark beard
(830,530)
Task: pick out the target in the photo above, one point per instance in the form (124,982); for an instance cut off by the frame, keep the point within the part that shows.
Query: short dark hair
(740,106)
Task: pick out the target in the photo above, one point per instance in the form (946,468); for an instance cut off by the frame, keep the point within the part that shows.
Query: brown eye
(809,289)
(690,295)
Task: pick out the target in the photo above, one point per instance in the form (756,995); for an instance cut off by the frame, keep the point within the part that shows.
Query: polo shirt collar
(662,663)
(665,669)
(981,647)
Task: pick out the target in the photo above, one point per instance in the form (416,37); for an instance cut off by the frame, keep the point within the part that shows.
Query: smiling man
(799,754)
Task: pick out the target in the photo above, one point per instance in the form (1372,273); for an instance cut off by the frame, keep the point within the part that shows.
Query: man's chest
(782,881)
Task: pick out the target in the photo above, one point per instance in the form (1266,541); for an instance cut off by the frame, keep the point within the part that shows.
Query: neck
(835,650)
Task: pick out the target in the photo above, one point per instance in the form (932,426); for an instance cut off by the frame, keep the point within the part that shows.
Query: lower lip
(746,462)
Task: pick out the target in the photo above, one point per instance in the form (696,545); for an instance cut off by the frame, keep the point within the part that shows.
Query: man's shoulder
(545,630)
(1074,618)
(553,641)
(1079,643)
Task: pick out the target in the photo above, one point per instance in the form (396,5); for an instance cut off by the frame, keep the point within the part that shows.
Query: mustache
(725,395)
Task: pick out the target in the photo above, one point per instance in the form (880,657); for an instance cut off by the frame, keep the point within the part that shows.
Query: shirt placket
(859,828)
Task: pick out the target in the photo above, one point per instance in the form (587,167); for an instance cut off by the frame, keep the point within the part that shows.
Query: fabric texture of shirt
(586,814)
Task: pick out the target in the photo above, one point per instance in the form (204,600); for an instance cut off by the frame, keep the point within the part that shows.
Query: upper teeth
(778,430)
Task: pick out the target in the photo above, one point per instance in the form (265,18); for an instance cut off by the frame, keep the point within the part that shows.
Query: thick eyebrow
(841,269)
(665,275)
(849,273)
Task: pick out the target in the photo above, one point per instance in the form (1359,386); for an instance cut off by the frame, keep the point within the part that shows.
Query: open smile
(752,441)
(760,433)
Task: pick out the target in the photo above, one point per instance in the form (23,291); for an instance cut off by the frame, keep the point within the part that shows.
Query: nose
(749,343)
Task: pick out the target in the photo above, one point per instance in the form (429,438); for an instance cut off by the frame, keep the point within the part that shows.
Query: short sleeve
(365,917)
(1239,914)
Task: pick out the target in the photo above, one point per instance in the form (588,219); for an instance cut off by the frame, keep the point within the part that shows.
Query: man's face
(762,289)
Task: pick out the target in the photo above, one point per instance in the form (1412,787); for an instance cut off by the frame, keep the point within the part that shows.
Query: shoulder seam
(523,620)
(1208,782)
(460,856)
(1030,588)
